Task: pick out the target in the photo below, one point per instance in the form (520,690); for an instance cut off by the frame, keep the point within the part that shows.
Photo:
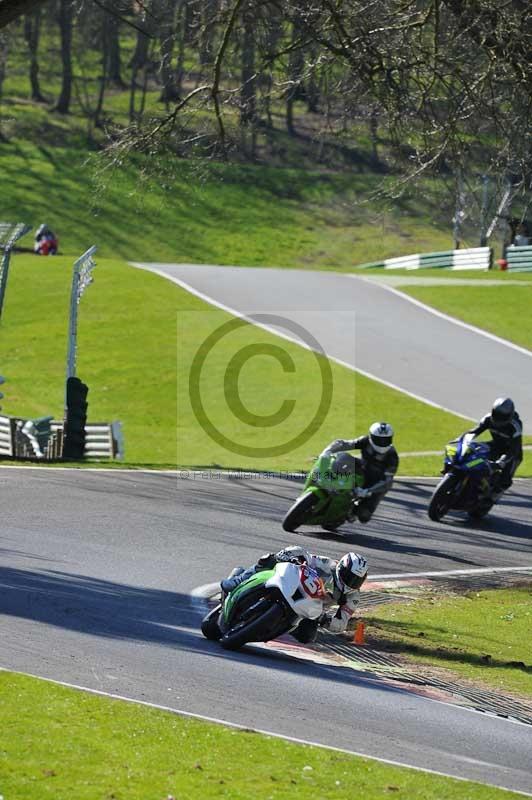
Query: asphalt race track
(368,325)
(96,574)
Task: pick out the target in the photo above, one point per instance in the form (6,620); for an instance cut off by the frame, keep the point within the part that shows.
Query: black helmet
(502,411)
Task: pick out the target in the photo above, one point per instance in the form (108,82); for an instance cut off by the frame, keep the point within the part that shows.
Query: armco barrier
(6,436)
(519,259)
(471,258)
(103,441)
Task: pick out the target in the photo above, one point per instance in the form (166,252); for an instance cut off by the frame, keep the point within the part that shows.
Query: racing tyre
(481,511)
(209,625)
(442,499)
(295,515)
(254,630)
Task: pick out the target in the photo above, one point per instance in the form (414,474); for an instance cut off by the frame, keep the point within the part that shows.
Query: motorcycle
(329,494)
(468,482)
(266,605)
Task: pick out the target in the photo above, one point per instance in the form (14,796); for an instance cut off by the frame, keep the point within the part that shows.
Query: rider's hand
(267,561)
(360,494)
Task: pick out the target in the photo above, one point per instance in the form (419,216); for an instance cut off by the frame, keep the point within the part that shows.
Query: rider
(342,580)
(45,241)
(378,463)
(506,446)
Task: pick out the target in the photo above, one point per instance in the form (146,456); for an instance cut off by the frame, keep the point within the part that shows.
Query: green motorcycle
(328,495)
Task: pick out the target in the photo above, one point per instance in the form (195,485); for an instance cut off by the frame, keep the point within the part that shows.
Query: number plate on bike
(312,583)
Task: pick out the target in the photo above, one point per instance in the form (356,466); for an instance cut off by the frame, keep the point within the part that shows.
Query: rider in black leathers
(506,446)
(378,463)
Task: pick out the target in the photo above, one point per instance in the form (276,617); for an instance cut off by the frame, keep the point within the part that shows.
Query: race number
(312,583)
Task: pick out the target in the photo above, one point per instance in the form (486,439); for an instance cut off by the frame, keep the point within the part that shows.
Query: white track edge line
(206,298)
(448,318)
(456,572)
(283,736)
(225,472)
(119,470)
(206,590)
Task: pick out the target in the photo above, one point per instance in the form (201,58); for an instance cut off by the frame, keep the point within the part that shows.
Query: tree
(32,32)
(13,9)
(65,19)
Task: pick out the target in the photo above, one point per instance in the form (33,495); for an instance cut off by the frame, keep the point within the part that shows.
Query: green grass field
(212,213)
(503,310)
(84,746)
(483,636)
(138,335)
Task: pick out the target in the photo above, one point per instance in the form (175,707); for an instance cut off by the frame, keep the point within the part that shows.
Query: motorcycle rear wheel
(295,516)
(252,631)
(441,501)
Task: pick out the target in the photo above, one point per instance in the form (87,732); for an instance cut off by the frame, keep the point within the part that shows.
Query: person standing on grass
(46,243)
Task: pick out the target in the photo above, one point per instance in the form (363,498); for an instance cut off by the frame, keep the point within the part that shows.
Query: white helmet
(351,572)
(381,436)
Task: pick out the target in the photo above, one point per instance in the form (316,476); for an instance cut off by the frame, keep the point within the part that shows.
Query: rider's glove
(290,557)
(267,561)
(360,493)
(501,462)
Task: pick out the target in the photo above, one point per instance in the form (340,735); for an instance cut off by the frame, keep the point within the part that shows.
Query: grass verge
(483,636)
(502,310)
(121,751)
(138,335)
(213,213)
(449,275)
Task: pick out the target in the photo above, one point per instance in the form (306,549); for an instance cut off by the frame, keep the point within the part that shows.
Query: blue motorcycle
(468,482)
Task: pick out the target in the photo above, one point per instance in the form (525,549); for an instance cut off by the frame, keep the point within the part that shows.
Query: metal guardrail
(9,234)
(6,437)
(519,259)
(470,258)
(20,441)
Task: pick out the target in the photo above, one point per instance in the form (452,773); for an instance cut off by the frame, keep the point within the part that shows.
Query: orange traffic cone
(358,638)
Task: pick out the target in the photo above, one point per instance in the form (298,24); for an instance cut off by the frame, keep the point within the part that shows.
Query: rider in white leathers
(342,580)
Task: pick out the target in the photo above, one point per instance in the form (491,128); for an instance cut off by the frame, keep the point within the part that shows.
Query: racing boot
(353,512)
(306,632)
(237,576)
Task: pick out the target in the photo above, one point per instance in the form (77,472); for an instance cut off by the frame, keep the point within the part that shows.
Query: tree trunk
(181,39)
(312,85)
(32,32)
(295,68)
(373,134)
(104,78)
(169,93)
(207,32)
(140,54)
(114,64)
(16,8)
(66,16)
(248,100)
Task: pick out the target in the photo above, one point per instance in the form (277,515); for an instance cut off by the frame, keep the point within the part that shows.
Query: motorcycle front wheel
(442,499)
(296,515)
(209,625)
(255,630)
